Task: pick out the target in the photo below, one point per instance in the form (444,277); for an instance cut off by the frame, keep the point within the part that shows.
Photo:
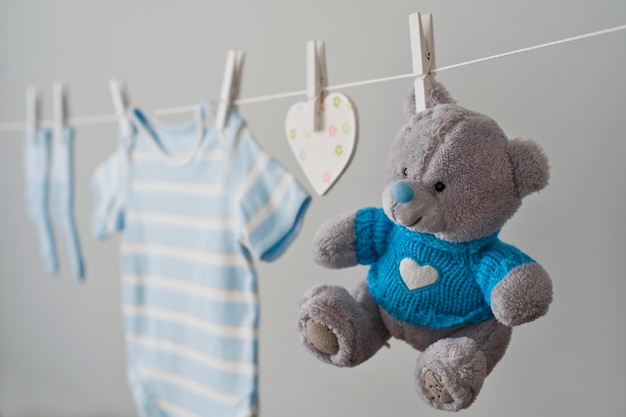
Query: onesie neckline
(150,126)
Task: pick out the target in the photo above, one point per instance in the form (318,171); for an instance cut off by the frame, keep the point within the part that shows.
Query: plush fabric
(440,278)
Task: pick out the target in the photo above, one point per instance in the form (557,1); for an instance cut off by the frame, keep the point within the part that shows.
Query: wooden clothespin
(423,52)
(32,112)
(59,110)
(120,102)
(317,81)
(231,85)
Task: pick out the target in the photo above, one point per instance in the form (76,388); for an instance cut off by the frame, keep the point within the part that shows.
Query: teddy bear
(439,278)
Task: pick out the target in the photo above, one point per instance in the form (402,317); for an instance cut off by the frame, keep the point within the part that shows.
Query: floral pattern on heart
(324,154)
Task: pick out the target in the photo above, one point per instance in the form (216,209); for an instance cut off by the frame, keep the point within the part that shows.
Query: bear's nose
(402,192)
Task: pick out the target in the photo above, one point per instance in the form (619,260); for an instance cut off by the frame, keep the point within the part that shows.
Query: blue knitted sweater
(427,281)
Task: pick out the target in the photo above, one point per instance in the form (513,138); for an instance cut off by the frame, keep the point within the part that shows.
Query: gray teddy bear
(440,278)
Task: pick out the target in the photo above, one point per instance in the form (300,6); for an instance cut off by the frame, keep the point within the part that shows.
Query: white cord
(109,118)
(533,48)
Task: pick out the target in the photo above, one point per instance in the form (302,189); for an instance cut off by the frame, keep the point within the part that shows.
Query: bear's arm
(516,287)
(358,237)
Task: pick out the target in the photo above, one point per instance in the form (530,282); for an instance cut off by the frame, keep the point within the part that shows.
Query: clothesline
(110,118)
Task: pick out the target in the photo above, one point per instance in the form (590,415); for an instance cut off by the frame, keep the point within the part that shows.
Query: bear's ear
(437,94)
(530,164)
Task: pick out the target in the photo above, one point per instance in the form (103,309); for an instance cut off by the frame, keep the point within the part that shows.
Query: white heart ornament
(417,276)
(324,154)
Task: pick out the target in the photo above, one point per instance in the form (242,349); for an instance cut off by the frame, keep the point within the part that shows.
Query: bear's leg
(451,371)
(339,327)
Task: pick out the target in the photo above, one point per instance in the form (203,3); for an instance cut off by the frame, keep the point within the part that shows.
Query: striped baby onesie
(196,207)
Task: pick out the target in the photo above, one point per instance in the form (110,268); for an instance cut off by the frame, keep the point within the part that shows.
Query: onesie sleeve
(108,192)
(497,262)
(372,228)
(269,203)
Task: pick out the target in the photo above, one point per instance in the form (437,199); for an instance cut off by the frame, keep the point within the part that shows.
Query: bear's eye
(440,186)
(405,172)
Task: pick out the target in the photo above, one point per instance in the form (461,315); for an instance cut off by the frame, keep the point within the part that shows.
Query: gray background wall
(61,343)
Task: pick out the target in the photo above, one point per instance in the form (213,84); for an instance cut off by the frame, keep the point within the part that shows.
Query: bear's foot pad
(321,337)
(435,388)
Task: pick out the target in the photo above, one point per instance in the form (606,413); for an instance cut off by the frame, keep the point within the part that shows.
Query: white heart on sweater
(416,276)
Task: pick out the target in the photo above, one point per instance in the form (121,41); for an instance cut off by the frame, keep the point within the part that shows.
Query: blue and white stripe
(193,224)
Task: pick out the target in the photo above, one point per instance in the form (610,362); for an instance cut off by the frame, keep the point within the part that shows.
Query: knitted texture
(459,275)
